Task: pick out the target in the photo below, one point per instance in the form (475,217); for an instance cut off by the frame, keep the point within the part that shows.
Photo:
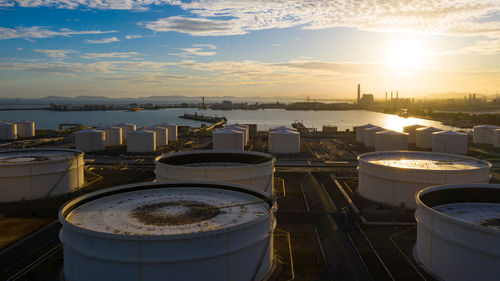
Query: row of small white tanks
(281,140)
(11,131)
(208,216)
(457,211)
(145,140)
(423,137)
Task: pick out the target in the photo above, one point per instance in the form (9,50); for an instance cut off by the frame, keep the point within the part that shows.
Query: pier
(203,118)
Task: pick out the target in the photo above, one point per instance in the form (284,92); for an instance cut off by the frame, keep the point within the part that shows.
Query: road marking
(328,195)
(304,195)
(323,254)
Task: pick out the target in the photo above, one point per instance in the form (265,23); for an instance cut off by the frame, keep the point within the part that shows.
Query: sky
(271,48)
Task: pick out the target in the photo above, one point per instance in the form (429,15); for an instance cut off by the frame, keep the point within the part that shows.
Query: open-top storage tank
(248,168)
(393,177)
(458,231)
(28,174)
(169,231)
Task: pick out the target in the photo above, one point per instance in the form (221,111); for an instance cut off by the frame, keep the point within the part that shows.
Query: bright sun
(405,53)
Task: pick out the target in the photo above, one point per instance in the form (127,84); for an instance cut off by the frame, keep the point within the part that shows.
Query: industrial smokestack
(391,95)
(385,96)
(397,95)
(359,93)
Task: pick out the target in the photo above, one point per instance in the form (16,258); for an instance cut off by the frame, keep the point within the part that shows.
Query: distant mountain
(167,99)
(91,98)
(53,98)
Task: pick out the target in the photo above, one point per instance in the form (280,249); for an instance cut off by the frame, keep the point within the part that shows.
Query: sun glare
(405,53)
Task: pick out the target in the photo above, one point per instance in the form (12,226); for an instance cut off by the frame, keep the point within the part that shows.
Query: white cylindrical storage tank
(412,132)
(483,134)
(458,231)
(393,177)
(113,135)
(449,142)
(8,131)
(28,174)
(496,138)
(390,140)
(423,137)
(247,168)
(161,135)
(90,140)
(228,139)
(172,131)
(25,129)
(242,128)
(126,128)
(169,231)
(141,141)
(360,132)
(369,135)
(284,142)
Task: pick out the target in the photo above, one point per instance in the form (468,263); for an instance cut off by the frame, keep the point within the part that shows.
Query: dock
(203,118)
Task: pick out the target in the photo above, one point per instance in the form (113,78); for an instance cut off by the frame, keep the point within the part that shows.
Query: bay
(264,119)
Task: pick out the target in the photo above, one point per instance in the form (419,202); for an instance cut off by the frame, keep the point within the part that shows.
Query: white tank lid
(375,128)
(449,133)
(228,131)
(428,129)
(284,132)
(28,156)
(392,133)
(366,126)
(90,131)
(109,127)
(168,211)
(6,124)
(142,131)
(423,160)
(283,128)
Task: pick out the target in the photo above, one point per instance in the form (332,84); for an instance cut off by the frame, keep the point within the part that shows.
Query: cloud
(58,68)
(208,46)
(55,54)
(235,17)
(122,55)
(102,41)
(148,78)
(128,37)
(93,4)
(38,32)
(195,26)
(204,50)
(484,47)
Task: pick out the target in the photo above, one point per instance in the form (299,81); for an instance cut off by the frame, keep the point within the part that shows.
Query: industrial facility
(228,201)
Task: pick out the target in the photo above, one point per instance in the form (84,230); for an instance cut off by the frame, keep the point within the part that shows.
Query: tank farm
(227,201)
